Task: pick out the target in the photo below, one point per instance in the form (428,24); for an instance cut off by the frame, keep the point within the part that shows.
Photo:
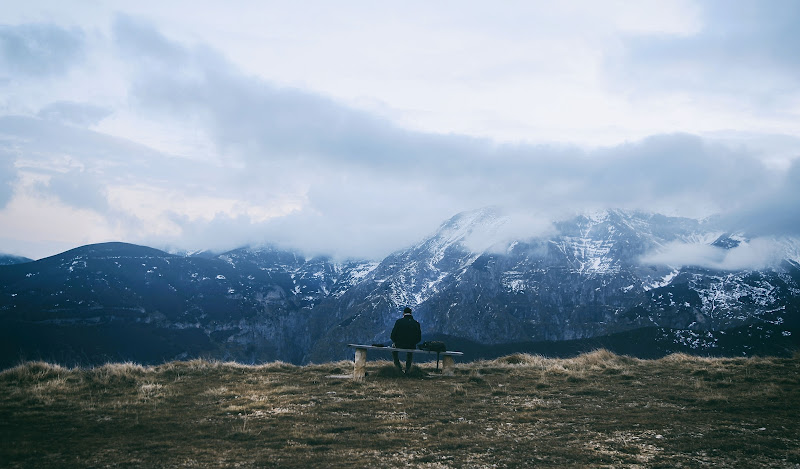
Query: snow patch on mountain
(514,281)
(666,280)
(360,271)
(695,340)
(723,295)
(589,256)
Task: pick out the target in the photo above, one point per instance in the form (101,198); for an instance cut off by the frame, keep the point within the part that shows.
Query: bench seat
(359,371)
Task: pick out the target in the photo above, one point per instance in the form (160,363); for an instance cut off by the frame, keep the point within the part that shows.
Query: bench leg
(448,366)
(360,369)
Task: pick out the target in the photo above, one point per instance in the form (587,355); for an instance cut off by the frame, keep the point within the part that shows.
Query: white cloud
(38,50)
(41,226)
(68,112)
(757,253)
(507,228)
(357,128)
(157,209)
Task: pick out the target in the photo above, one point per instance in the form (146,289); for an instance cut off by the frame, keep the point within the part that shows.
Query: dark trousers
(409,359)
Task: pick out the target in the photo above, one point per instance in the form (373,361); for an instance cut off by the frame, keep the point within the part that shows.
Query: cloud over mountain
(183,145)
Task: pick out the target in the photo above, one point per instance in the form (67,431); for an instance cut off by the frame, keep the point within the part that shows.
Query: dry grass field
(595,410)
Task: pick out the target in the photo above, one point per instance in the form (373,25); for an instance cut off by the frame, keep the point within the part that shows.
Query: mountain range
(637,283)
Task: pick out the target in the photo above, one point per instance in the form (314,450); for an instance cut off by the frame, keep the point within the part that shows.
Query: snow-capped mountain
(593,275)
(609,278)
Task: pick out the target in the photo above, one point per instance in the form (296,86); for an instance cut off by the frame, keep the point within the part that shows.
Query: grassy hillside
(596,410)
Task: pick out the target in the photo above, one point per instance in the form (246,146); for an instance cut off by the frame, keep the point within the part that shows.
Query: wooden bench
(448,365)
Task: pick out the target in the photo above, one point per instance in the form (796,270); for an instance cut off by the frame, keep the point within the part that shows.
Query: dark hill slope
(126,302)
(8,259)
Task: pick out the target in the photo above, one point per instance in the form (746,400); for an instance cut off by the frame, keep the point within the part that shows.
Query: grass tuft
(36,370)
(685,359)
(126,369)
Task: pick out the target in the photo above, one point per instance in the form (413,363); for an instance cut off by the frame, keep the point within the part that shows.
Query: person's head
(407,311)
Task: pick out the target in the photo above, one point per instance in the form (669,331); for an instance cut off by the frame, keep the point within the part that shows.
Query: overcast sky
(355,128)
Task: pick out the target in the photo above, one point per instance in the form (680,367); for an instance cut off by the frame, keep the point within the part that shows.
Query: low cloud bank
(758,253)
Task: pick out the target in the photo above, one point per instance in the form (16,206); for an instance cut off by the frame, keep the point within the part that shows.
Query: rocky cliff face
(592,276)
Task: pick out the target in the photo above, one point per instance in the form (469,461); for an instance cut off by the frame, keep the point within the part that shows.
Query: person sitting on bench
(405,334)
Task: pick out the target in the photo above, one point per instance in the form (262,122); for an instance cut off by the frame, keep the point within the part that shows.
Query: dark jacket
(406,332)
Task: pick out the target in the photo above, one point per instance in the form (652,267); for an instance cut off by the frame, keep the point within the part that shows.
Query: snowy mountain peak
(475,230)
(597,216)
